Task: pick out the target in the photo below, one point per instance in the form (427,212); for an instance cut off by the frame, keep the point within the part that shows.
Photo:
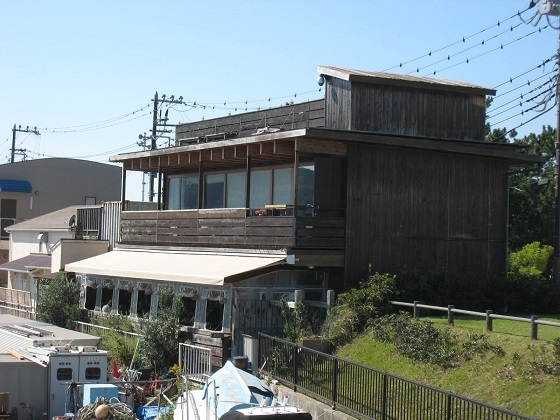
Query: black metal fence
(364,391)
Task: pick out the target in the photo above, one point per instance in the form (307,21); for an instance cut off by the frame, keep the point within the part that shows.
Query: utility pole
(550,8)
(143,139)
(22,130)
(158,121)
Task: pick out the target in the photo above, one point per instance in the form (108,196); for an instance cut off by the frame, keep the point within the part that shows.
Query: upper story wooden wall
(404,110)
(429,211)
(290,117)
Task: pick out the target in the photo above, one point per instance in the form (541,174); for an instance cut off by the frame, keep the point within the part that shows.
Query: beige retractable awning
(201,268)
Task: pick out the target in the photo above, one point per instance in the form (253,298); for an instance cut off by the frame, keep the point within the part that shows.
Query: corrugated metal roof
(60,336)
(10,185)
(374,77)
(27,264)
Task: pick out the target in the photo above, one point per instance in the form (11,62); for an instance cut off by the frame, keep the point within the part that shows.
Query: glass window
(215,191)
(283,186)
(91,297)
(93,373)
(174,193)
(306,185)
(236,190)
(214,315)
(260,189)
(64,374)
(188,311)
(125,297)
(189,192)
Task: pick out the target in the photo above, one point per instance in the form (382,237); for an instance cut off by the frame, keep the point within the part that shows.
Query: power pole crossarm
(156,132)
(22,130)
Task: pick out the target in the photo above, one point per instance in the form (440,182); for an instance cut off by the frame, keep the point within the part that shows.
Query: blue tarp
(150,412)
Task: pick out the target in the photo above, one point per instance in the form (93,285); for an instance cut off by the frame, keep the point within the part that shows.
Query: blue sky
(88,70)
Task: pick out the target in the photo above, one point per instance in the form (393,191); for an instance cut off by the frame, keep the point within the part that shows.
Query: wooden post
(123,189)
(534,327)
(450,317)
(415,311)
(488,320)
(330,299)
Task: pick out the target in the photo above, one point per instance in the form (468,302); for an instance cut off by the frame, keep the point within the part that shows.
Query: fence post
(449,411)
(295,368)
(384,398)
(330,299)
(488,320)
(335,383)
(450,317)
(534,327)
(416,309)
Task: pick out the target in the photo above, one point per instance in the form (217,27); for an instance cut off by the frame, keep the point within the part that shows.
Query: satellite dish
(72,220)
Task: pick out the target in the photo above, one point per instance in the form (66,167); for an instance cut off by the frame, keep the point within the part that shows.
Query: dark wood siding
(235,228)
(338,101)
(404,111)
(289,117)
(330,184)
(428,211)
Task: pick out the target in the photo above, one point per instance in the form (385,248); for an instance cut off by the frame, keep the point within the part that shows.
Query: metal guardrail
(195,361)
(488,315)
(365,391)
(94,329)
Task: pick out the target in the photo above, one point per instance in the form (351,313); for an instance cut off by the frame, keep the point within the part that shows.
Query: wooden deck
(232,228)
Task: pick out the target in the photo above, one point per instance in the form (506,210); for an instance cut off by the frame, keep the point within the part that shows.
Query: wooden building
(386,171)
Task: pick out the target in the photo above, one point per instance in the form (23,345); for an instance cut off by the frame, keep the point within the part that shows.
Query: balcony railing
(272,227)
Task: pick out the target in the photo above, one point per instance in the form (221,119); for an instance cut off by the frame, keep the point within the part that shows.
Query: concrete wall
(71,250)
(58,182)
(315,408)
(24,243)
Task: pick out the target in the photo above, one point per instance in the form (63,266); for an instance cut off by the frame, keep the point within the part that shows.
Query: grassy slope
(491,379)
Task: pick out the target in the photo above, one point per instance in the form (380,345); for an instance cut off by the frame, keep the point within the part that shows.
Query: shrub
(357,307)
(341,325)
(121,346)
(296,324)
(159,346)
(58,302)
(417,339)
(477,345)
(533,259)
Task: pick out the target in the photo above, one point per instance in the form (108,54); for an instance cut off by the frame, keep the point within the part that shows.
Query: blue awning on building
(8,185)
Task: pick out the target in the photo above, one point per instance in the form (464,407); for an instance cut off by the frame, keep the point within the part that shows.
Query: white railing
(99,330)
(195,361)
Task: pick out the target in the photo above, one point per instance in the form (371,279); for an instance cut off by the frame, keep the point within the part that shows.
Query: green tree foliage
(58,301)
(533,259)
(120,346)
(296,324)
(357,307)
(159,348)
(531,189)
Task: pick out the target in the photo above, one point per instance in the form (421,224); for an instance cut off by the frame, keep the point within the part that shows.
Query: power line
(94,125)
(501,47)
(462,40)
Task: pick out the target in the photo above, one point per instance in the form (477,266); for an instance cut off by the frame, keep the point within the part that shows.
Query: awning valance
(9,185)
(195,267)
(28,263)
